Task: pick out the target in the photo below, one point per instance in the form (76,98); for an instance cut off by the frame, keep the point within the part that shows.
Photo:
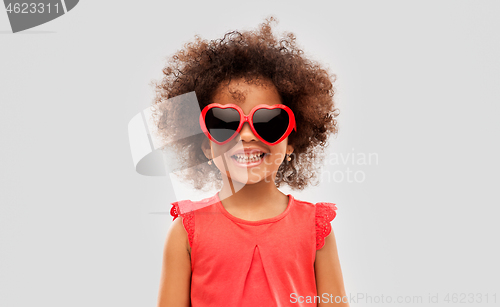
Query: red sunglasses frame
(248,119)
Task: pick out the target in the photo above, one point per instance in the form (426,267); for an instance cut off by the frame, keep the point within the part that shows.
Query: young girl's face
(242,165)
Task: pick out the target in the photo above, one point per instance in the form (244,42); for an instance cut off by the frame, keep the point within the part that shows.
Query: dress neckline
(259,222)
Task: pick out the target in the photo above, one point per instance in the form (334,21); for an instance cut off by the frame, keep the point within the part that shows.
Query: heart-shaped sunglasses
(269,123)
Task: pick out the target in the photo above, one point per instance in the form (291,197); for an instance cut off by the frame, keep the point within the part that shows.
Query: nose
(246,134)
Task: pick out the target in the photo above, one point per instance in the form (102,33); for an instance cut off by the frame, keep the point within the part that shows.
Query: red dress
(267,263)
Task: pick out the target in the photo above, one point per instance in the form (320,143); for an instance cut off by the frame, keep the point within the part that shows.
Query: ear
(206,148)
(289,149)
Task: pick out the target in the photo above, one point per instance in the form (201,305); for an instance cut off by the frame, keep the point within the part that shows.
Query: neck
(260,193)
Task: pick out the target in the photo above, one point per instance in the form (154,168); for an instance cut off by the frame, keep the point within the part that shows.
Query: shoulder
(320,208)
(326,210)
(186,208)
(322,213)
(303,206)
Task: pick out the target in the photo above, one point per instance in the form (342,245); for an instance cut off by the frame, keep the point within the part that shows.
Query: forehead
(247,93)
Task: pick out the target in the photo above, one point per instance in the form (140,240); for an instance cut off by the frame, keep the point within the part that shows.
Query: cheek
(278,153)
(280,148)
(218,152)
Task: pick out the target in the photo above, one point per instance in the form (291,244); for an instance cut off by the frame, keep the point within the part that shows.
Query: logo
(148,149)
(24,14)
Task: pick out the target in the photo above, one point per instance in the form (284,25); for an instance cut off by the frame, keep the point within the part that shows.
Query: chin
(243,181)
(255,179)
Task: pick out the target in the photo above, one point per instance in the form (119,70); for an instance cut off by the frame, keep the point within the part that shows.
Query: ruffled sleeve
(325,213)
(174,211)
(187,220)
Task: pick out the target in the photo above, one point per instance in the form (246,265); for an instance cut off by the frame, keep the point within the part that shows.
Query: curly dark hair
(202,66)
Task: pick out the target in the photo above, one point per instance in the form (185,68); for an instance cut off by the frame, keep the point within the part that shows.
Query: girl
(267,112)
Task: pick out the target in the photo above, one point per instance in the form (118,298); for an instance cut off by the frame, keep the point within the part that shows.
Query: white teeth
(248,158)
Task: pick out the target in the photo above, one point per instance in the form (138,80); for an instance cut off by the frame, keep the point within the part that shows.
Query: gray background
(417,86)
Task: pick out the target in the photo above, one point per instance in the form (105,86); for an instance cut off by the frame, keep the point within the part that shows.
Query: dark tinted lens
(271,124)
(222,123)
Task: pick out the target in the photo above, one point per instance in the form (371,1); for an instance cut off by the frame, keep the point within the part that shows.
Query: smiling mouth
(241,158)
